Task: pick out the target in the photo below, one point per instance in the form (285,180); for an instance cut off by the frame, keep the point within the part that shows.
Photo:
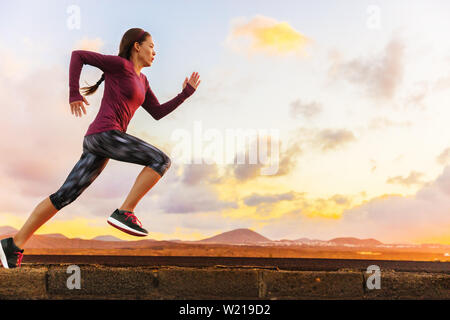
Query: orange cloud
(89,44)
(267,35)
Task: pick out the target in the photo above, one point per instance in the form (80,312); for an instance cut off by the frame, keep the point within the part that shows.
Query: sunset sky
(359,92)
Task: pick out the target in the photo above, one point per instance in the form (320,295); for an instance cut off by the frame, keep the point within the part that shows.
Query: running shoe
(127,222)
(10,254)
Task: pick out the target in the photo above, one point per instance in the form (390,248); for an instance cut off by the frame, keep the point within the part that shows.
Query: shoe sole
(119,225)
(3,258)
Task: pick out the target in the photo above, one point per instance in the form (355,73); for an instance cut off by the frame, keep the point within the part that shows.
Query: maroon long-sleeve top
(124,91)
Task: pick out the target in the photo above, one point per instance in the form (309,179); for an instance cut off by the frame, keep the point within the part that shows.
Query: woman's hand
(193,81)
(77,106)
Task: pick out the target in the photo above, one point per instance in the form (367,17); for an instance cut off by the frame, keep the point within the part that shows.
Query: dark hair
(128,39)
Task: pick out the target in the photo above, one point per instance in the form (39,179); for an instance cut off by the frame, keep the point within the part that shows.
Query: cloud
(418,95)
(286,163)
(89,44)
(256,199)
(194,174)
(325,139)
(341,199)
(306,109)
(444,157)
(413,178)
(12,66)
(289,159)
(328,139)
(373,165)
(419,218)
(442,83)
(185,199)
(266,35)
(383,122)
(270,204)
(397,218)
(246,171)
(265,203)
(380,75)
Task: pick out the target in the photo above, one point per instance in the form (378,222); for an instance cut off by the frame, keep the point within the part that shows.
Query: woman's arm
(157,110)
(107,63)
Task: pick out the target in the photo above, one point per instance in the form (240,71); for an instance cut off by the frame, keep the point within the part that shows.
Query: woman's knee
(161,166)
(62,198)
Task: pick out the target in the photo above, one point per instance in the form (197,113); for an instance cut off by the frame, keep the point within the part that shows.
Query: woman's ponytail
(91,89)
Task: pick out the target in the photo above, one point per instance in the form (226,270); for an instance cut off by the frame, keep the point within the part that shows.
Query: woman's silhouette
(126,88)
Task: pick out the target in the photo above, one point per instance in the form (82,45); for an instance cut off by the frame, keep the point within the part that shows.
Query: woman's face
(147,52)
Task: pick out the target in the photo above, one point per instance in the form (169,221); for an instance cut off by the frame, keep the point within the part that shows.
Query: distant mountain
(303,240)
(238,236)
(313,242)
(7,230)
(355,242)
(56,235)
(233,237)
(344,241)
(46,242)
(107,238)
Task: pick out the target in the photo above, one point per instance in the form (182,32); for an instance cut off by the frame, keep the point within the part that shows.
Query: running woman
(126,88)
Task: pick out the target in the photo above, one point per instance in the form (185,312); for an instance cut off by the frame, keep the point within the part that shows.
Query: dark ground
(297,264)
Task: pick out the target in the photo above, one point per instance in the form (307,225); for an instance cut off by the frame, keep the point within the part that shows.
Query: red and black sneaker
(127,222)
(10,254)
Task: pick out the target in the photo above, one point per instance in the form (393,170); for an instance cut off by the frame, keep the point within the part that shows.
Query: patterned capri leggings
(98,148)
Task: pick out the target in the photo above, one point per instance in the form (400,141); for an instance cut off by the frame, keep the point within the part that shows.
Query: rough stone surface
(210,283)
(312,284)
(106,282)
(102,282)
(410,285)
(23,283)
